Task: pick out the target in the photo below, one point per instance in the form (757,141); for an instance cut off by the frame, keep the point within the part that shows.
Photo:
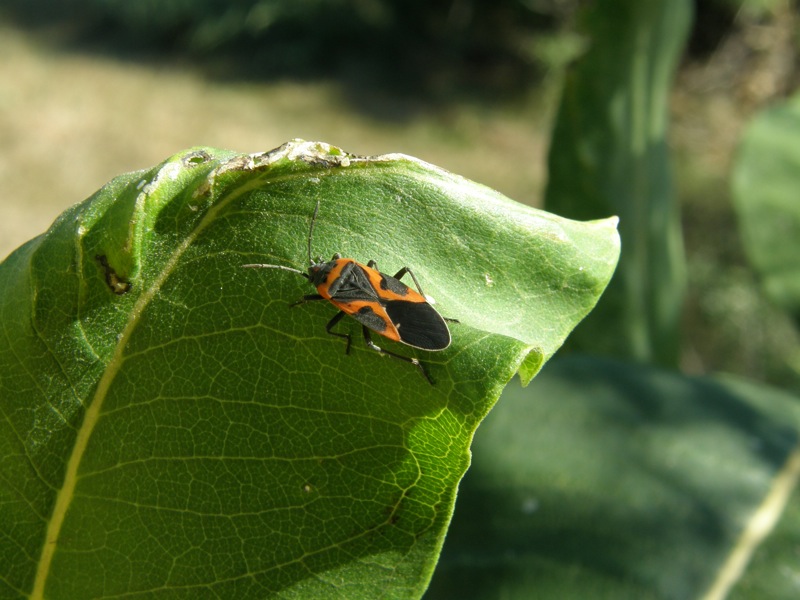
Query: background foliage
(739,56)
(441,46)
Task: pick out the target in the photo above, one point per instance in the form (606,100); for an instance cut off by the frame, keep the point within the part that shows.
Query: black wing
(418,324)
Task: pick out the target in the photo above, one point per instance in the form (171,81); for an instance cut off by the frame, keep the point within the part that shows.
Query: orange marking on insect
(380,302)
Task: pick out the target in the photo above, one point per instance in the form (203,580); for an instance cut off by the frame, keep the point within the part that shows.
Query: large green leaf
(171,428)
(765,190)
(605,480)
(609,155)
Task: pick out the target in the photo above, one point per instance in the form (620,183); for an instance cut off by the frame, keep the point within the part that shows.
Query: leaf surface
(172,428)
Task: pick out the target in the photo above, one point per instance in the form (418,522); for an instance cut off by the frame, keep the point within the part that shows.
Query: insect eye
(336,256)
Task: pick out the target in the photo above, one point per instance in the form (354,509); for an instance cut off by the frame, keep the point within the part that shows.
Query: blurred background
(93,88)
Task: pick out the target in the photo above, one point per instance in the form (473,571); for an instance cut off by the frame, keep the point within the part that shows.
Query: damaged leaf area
(172,426)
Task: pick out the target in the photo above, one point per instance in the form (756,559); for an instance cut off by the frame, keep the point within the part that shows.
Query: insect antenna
(311,233)
(292,269)
(259,266)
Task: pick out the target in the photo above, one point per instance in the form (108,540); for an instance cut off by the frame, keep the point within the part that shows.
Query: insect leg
(403,271)
(332,323)
(373,265)
(370,344)
(308,298)
(400,274)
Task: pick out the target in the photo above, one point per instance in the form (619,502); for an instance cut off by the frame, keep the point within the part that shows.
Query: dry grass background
(70,121)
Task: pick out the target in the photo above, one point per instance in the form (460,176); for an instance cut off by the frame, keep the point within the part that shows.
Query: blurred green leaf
(766,180)
(774,572)
(171,428)
(754,8)
(609,155)
(605,480)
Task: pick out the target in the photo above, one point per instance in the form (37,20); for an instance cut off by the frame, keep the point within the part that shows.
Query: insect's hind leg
(372,346)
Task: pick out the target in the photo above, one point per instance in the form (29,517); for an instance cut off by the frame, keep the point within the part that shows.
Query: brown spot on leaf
(117,284)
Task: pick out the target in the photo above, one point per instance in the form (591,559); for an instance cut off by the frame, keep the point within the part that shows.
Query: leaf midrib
(92,416)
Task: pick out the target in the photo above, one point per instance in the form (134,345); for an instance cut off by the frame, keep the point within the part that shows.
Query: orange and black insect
(381,303)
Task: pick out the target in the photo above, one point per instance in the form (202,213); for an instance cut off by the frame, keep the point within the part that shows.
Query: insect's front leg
(307,298)
(332,323)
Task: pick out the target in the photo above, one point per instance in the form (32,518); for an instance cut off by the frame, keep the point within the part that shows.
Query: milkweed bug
(379,302)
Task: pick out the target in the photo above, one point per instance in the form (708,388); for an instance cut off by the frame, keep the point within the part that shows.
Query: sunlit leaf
(172,428)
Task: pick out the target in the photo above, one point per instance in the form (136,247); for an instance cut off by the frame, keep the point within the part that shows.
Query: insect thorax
(318,272)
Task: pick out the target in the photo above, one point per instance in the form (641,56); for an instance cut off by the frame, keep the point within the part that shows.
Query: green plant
(764,185)
(172,427)
(609,477)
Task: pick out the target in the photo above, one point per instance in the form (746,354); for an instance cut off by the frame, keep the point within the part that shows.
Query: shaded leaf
(604,480)
(609,155)
(766,178)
